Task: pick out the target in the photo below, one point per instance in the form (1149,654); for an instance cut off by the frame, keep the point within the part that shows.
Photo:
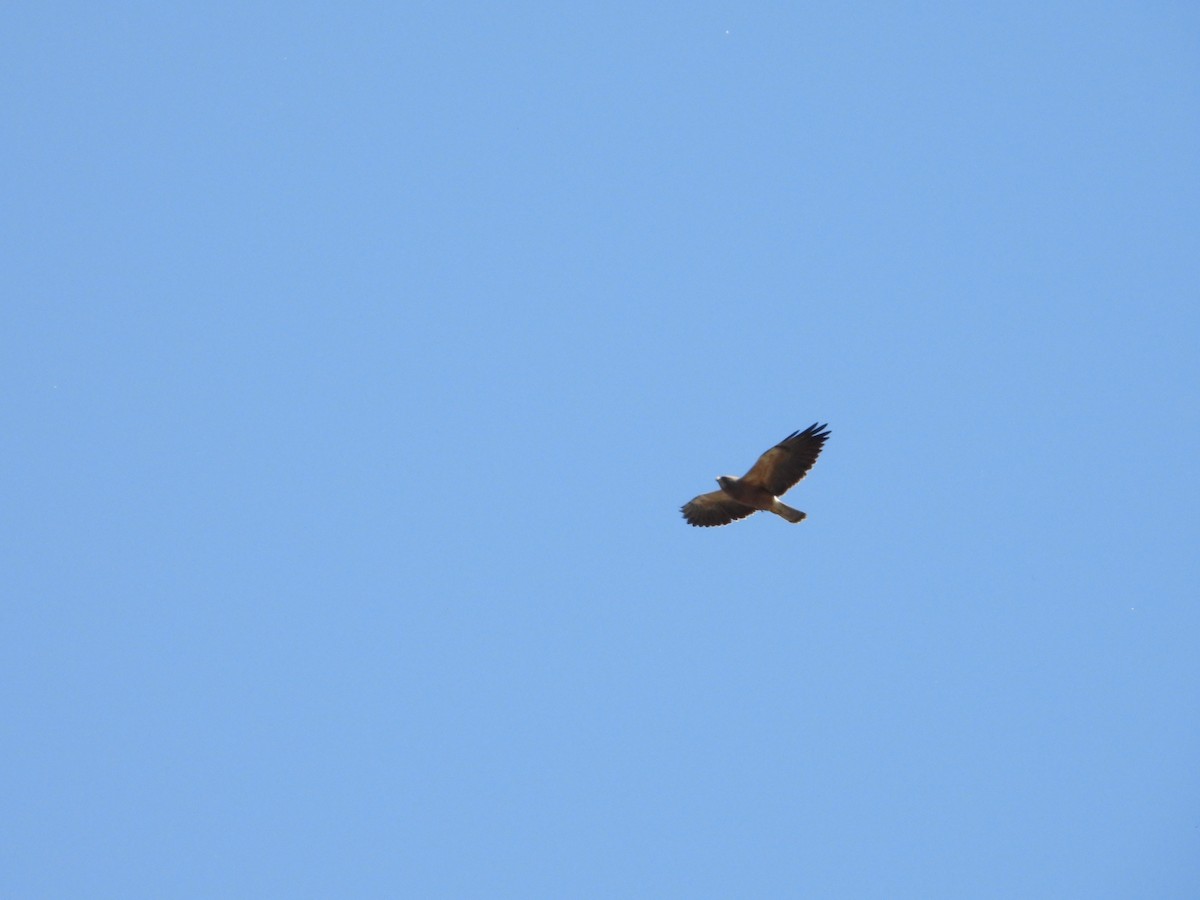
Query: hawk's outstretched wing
(716,508)
(788,461)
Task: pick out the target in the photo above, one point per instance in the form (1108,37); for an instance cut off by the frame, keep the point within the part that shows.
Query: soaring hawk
(776,471)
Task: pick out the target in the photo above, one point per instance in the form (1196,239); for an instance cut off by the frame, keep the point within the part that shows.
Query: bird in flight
(775,472)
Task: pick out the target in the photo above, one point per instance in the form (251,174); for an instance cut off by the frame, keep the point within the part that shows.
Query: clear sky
(357,359)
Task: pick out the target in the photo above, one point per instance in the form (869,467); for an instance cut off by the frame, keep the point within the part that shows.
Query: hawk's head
(726,481)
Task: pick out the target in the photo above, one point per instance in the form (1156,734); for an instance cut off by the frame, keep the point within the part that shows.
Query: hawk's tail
(792,515)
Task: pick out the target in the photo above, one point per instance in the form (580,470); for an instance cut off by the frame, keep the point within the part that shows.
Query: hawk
(776,471)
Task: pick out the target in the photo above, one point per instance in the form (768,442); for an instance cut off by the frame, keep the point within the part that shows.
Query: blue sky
(356,362)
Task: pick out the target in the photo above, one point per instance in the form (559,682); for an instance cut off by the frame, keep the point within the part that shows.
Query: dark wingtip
(816,430)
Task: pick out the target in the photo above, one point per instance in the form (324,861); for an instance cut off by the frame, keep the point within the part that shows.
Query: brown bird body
(776,471)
